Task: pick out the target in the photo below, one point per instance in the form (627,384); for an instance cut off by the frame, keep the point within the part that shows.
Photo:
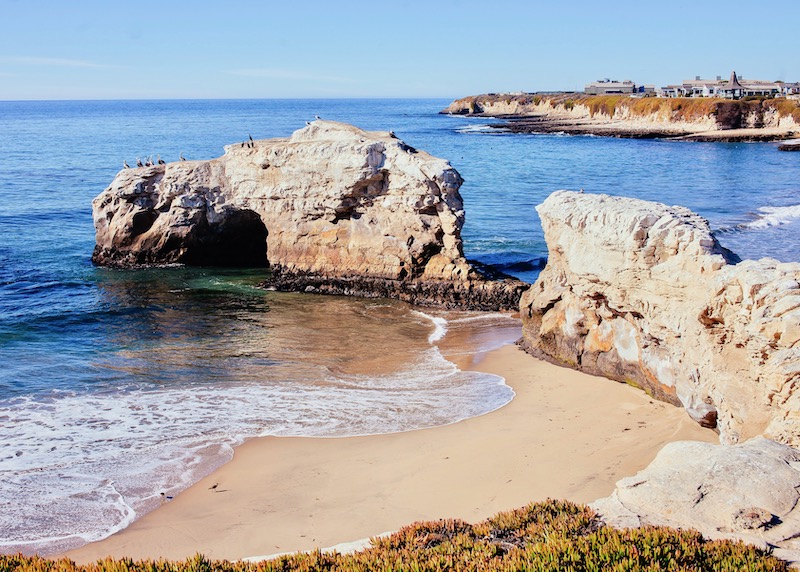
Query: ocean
(119,385)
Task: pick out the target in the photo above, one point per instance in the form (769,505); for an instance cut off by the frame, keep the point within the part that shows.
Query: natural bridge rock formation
(642,293)
(331,209)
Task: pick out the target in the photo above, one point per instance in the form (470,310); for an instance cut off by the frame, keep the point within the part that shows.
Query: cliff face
(665,116)
(331,209)
(642,293)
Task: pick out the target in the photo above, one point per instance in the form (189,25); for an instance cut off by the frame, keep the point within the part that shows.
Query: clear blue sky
(109,49)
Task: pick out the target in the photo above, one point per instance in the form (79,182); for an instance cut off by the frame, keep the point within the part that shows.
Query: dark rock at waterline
(479,293)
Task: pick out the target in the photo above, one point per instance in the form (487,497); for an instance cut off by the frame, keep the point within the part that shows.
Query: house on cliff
(734,88)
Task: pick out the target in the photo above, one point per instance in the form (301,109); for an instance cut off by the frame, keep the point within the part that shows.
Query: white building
(608,86)
(734,88)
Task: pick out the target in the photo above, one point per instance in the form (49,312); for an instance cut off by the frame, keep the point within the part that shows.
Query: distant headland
(700,110)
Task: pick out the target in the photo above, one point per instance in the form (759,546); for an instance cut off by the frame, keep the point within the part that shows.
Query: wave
(482,128)
(77,467)
(439,323)
(773,216)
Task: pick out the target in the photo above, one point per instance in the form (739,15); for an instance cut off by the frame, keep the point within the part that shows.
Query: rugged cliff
(332,209)
(642,293)
(620,115)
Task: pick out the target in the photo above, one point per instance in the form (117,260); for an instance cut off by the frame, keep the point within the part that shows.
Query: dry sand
(565,435)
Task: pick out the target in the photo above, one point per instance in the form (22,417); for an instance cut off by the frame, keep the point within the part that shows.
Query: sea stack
(643,293)
(331,209)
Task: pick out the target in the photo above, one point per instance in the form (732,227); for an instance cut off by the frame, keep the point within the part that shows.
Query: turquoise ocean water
(116,386)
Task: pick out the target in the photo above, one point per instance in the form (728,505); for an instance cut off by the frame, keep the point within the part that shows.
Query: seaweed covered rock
(332,209)
(642,293)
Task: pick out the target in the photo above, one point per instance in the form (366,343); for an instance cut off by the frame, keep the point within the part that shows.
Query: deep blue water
(135,370)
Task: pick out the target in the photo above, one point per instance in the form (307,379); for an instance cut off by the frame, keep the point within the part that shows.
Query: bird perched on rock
(139,162)
(125,164)
(161,161)
(149,162)
(181,157)
(392,135)
(250,137)
(317,117)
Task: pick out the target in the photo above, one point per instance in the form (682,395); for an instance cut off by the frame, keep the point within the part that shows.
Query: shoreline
(543,123)
(286,494)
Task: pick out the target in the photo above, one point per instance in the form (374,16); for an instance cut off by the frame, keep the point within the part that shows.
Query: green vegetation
(555,536)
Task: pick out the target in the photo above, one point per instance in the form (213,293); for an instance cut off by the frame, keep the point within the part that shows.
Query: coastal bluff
(642,293)
(700,119)
(331,209)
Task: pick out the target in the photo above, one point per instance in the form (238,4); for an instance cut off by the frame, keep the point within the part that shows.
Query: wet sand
(565,435)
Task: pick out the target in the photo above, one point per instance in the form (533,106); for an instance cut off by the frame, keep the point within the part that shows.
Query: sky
(113,49)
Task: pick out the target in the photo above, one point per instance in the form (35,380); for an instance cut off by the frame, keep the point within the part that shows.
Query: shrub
(548,536)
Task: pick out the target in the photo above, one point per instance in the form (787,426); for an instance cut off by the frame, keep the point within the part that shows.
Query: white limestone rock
(743,492)
(642,293)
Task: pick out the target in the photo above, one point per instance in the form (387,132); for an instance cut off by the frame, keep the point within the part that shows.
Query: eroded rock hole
(239,240)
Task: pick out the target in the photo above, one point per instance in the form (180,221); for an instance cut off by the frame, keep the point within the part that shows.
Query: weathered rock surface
(331,209)
(747,491)
(642,293)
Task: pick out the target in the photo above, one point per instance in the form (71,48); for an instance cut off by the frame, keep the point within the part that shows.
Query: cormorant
(139,162)
(161,161)
(125,164)
(392,135)
(181,157)
(149,162)
(251,137)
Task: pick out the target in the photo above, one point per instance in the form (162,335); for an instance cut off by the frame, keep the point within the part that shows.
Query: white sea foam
(76,467)
(439,329)
(774,216)
(481,128)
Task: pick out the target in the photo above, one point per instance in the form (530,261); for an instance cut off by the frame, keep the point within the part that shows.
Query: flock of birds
(249,143)
(148,162)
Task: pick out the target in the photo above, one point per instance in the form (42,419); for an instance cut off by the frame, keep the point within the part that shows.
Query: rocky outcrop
(642,293)
(332,208)
(747,492)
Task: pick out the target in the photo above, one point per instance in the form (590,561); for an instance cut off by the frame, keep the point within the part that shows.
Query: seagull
(125,164)
(308,123)
(181,157)
(161,161)
(316,117)
(139,162)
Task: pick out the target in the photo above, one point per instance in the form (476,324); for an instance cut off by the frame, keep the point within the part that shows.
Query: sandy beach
(565,435)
